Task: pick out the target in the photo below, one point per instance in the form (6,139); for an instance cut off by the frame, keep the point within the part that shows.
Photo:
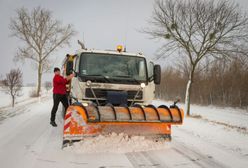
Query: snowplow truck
(112,91)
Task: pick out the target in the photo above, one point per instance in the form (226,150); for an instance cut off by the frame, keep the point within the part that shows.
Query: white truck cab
(115,77)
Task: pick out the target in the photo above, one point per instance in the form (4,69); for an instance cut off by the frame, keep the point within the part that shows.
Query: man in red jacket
(59,93)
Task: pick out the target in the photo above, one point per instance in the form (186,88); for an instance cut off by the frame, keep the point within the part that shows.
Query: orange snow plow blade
(83,121)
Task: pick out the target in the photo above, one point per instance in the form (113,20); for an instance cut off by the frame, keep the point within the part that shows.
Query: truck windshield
(113,68)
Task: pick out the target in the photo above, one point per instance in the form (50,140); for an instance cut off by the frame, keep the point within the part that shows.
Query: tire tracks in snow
(185,157)
(197,158)
(202,147)
(144,160)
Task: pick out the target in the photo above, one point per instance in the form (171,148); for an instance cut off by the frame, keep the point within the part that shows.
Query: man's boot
(53,123)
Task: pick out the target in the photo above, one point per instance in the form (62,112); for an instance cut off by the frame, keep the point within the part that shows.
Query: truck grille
(102,93)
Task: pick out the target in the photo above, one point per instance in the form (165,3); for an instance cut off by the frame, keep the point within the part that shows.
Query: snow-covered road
(28,141)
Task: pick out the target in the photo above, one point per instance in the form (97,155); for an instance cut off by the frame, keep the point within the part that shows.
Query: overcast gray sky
(102,23)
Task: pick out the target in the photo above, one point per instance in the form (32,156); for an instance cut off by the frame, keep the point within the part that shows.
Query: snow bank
(235,117)
(116,143)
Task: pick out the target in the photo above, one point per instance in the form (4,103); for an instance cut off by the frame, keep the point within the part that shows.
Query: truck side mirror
(69,67)
(157,74)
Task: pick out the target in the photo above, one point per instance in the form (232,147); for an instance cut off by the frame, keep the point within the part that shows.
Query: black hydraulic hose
(113,109)
(155,109)
(168,109)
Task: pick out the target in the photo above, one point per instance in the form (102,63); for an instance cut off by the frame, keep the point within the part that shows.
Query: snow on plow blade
(83,121)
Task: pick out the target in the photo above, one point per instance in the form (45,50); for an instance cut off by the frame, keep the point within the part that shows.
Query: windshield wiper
(98,75)
(127,77)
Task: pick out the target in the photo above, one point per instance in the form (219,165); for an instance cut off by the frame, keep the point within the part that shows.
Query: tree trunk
(188,91)
(211,99)
(240,99)
(39,79)
(187,97)
(13,100)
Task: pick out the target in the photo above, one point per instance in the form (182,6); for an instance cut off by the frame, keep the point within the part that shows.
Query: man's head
(56,71)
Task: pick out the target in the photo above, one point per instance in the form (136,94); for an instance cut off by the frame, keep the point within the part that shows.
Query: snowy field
(6,99)
(21,102)
(24,96)
(214,137)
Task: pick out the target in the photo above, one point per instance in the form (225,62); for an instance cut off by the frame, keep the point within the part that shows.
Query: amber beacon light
(119,48)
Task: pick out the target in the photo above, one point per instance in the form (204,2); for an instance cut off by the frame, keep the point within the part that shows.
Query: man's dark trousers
(56,99)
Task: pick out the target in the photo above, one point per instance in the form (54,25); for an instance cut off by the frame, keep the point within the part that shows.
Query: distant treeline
(223,83)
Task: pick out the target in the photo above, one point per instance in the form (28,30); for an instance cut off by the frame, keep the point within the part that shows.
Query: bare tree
(199,29)
(42,35)
(12,84)
(224,83)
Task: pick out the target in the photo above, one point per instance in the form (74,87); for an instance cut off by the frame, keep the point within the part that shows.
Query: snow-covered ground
(215,137)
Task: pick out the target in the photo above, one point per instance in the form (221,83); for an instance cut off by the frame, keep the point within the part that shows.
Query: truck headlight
(142,85)
(88,82)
